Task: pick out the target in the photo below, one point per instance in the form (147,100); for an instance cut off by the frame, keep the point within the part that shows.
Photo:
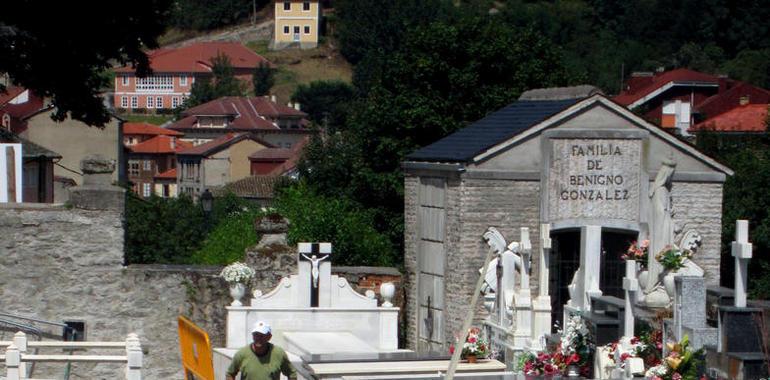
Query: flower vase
(237,291)
(668,283)
(471,358)
(643,277)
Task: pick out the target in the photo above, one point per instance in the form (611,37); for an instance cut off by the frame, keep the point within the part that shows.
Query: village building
(297,23)
(37,169)
(174,70)
(578,174)
(280,125)
(150,161)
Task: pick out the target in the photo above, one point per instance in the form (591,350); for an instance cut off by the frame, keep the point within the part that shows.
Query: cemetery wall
(694,208)
(67,264)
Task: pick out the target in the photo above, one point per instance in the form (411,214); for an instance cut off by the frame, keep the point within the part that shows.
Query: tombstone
(689,314)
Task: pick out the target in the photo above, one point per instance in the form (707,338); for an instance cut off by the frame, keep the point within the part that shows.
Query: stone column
(541,307)
(20,341)
(97,191)
(590,264)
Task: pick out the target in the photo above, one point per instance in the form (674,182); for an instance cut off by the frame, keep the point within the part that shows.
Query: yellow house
(296,23)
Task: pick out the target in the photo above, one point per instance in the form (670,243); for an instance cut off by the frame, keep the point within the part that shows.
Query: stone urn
(387,291)
(237,291)
(668,283)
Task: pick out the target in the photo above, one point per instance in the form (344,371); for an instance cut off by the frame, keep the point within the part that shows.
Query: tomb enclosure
(572,182)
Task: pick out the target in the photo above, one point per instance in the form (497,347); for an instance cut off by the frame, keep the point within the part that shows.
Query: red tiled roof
(731,98)
(10,93)
(260,186)
(147,129)
(747,118)
(161,145)
(220,143)
(196,58)
(246,112)
(168,174)
(659,80)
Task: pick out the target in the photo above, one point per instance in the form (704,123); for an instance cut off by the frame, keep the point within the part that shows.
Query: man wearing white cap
(261,360)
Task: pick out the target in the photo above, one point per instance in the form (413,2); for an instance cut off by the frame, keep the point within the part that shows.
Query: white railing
(10,173)
(16,357)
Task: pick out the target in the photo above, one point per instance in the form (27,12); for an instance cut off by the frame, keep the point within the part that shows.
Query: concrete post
(20,341)
(741,250)
(134,358)
(12,363)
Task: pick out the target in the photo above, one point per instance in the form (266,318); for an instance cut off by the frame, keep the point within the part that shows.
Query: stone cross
(541,306)
(630,285)
(741,250)
(314,253)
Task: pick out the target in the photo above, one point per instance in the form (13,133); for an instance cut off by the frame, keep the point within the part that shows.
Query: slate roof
(495,128)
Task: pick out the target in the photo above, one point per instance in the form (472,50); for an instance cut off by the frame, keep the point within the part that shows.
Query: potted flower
(237,275)
(474,347)
(681,363)
(576,347)
(539,365)
(672,259)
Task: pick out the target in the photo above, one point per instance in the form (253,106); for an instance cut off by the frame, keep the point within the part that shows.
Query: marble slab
(334,370)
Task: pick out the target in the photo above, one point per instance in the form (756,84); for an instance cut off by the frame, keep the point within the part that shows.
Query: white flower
(237,272)
(658,370)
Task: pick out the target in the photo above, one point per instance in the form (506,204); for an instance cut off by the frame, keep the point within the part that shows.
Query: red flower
(624,356)
(471,339)
(451,350)
(634,340)
(550,369)
(574,358)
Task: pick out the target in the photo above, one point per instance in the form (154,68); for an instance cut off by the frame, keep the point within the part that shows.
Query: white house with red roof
(678,99)
(263,117)
(175,70)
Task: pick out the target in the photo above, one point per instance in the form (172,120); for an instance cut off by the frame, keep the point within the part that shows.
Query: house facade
(175,70)
(216,163)
(37,169)
(280,125)
(149,161)
(297,23)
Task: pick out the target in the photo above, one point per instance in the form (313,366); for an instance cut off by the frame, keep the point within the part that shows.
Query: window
(307,29)
(159,102)
(133,168)
(287,5)
(124,101)
(150,102)
(174,102)
(155,83)
(286,29)
(146,189)
(306,6)
(147,165)
(134,102)
(125,80)
(183,81)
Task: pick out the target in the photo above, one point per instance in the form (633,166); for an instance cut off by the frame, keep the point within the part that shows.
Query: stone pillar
(741,250)
(20,341)
(134,358)
(523,301)
(97,191)
(12,363)
(541,307)
(630,285)
(590,265)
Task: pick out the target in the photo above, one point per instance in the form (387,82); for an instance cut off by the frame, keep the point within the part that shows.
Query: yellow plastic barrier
(196,351)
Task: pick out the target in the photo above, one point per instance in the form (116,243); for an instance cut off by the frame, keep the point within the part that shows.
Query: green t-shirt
(266,367)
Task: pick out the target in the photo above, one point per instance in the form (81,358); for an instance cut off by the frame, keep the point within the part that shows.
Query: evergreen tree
(263,79)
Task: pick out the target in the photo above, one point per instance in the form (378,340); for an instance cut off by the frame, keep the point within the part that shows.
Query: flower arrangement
(681,363)
(647,346)
(237,273)
(672,258)
(637,252)
(577,346)
(474,345)
(539,364)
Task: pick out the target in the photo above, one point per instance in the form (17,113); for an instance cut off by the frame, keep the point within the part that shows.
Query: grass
(147,118)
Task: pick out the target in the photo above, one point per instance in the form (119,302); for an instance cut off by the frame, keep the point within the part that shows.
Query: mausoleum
(573,178)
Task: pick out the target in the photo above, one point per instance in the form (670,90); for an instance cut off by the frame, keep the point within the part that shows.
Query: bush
(350,229)
(228,241)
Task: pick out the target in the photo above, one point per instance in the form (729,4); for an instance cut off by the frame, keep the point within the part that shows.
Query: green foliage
(337,220)
(327,103)
(160,230)
(227,242)
(263,79)
(210,14)
(752,66)
(223,83)
(52,50)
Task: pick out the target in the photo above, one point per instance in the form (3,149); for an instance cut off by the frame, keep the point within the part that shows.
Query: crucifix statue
(314,253)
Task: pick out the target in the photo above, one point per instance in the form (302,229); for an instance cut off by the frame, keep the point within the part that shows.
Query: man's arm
(230,377)
(234,368)
(286,368)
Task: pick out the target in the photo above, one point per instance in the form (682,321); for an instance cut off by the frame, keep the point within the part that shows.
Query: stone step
(608,305)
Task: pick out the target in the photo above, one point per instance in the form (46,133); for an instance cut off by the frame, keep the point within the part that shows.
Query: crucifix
(314,253)
(741,250)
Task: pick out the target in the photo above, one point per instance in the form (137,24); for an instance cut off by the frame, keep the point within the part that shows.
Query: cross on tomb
(631,286)
(314,253)
(741,250)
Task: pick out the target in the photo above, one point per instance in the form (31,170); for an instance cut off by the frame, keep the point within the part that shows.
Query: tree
(222,83)
(209,14)
(327,103)
(263,79)
(63,60)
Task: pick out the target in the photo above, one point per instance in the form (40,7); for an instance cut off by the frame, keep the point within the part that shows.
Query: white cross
(630,285)
(741,250)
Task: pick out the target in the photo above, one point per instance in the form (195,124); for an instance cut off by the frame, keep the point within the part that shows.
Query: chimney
(744,100)
(273,99)
(296,106)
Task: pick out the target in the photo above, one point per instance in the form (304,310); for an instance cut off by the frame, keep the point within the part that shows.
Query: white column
(12,363)
(590,264)
(134,358)
(237,331)
(20,341)
(741,250)
(541,307)
(523,301)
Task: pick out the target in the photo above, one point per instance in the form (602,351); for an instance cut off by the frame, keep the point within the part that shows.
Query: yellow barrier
(196,351)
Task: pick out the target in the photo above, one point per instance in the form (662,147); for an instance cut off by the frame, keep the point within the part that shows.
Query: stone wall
(63,264)
(694,208)
(411,184)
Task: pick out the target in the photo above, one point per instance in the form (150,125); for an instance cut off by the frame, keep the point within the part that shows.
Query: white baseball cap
(261,327)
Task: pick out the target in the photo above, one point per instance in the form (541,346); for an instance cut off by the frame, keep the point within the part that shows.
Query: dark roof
(219,144)
(260,186)
(28,148)
(495,128)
